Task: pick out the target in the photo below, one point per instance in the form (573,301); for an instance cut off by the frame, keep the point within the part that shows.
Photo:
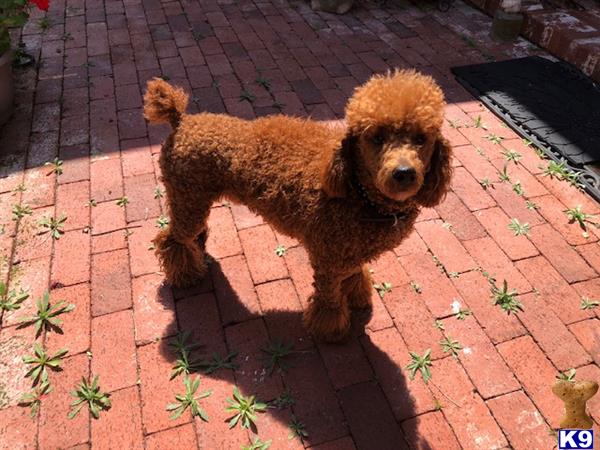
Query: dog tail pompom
(164,103)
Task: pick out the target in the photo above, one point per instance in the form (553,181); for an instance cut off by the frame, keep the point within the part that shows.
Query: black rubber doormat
(550,103)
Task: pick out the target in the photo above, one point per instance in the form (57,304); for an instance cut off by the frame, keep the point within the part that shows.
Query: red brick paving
(358,395)
(569,30)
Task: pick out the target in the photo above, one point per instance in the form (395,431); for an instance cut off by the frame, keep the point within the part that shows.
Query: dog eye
(420,139)
(378,139)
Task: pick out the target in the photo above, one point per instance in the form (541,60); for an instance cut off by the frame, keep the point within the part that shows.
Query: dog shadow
(333,389)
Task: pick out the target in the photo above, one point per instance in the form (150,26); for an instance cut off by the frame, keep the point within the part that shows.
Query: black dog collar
(377,214)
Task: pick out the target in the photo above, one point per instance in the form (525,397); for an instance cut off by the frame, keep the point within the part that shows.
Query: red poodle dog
(347,193)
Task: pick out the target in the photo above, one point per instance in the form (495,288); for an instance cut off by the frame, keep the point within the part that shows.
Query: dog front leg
(328,316)
(358,289)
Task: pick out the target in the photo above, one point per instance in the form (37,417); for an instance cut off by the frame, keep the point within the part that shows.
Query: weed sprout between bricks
(420,363)
(275,354)
(297,429)
(46,318)
(258,444)
(90,394)
(33,399)
(41,362)
(11,300)
(53,225)
(189,400)
(245,408)
(185,365)
(505,298)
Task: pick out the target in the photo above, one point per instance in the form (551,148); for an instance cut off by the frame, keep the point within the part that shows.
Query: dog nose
(404,175)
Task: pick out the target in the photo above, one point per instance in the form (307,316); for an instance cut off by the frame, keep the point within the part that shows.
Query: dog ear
(335,176)
(437,180)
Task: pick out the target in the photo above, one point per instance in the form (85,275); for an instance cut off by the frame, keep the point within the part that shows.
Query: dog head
(394,139)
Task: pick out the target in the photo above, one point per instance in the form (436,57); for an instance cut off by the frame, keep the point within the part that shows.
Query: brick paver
(83,105)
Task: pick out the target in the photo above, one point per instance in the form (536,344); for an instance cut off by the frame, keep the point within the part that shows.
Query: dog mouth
(399,191)
(404,186)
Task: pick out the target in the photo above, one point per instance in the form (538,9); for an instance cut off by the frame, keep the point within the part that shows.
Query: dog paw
(184,265)
(327,324)
(187,279)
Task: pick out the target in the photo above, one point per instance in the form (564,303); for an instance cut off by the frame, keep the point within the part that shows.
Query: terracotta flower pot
(6,87)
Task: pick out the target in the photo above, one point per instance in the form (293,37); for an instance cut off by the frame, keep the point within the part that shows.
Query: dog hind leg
(180,248)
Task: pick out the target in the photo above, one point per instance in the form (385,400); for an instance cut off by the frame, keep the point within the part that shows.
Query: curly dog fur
(347,192)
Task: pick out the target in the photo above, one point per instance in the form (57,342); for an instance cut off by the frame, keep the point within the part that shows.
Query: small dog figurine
(347,193)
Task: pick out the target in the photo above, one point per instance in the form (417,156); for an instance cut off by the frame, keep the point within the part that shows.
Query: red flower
(41,4)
